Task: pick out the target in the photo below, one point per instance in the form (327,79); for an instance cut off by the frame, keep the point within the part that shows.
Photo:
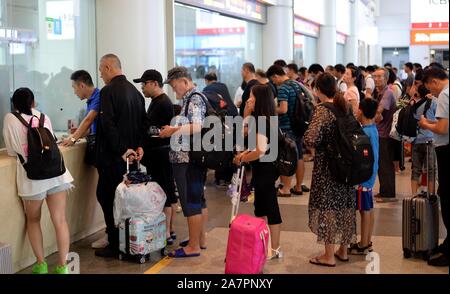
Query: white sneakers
(100,243)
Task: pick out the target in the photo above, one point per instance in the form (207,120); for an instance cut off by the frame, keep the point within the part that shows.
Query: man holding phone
(160,113)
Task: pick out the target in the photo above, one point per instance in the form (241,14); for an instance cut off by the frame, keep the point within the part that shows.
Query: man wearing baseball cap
(159,114)
(189,177)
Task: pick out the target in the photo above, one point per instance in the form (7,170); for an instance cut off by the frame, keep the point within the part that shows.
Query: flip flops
(341,259)
(186,242)
(179,253)
(316,261)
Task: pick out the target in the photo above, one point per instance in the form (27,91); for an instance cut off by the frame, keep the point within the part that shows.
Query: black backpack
(217,159)
(303,113)
(407,124)
(286,162)
(351,157)
(220,105)
(45,160)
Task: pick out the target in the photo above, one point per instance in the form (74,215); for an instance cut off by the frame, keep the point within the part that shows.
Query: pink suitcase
(247,240)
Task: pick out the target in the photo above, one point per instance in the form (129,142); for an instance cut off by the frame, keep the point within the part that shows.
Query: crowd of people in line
(118,126)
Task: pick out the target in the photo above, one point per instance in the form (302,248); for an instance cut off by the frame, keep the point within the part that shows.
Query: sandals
(316,261)
(186,242)
(179,253)
(296,193)
(340,258)
(279,194)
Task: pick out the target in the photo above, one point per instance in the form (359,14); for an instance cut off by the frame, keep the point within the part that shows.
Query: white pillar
(327,39)
(134,30)
(351,47)
(278,33)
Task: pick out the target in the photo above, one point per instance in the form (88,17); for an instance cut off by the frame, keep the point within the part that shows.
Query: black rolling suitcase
(421,222)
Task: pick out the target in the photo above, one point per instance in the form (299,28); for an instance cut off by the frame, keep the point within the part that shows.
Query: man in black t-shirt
(249,75)
(156,150)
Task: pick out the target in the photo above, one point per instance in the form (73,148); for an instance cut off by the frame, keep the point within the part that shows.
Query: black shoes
(107,252)
(439,260)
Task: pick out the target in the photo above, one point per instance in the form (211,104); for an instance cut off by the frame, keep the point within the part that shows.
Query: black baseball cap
(150,75)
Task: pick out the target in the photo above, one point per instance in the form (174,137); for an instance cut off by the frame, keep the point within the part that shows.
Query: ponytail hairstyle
(23,99)
(327,85)
(359,78)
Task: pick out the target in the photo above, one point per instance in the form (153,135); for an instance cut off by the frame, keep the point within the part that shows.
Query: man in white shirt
(339,71)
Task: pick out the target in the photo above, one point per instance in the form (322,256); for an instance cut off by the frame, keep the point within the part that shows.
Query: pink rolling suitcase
(247,240)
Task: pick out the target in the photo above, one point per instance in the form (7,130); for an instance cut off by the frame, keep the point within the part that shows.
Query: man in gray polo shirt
(436,80)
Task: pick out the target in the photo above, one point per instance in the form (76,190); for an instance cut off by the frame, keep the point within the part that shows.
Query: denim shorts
(298,142)
(43,195)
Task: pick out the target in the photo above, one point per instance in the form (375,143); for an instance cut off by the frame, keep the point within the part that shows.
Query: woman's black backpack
(45,160)
(287,159)
(352,158)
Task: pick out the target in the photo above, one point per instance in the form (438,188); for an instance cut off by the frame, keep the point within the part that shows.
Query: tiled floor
(297,241)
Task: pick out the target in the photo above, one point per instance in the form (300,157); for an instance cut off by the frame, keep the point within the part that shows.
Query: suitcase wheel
(164,252)
(142,260)
(121,257)
(407,253)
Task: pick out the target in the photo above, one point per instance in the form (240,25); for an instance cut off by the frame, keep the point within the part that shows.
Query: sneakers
(61,270)
(100,243)
(276,254)
(40,269)
(355,249)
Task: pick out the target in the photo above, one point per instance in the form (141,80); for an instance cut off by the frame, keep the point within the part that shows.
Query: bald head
(110,67)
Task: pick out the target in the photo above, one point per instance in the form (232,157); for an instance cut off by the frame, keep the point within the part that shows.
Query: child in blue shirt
(364,197)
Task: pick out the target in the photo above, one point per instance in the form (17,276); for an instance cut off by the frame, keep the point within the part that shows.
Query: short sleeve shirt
(442,113)
(93,103)
(196,114)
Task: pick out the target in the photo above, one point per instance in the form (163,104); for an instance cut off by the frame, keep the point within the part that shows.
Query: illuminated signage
(60,20)
(245,9)
(426,11)
(306,27)
(429,37)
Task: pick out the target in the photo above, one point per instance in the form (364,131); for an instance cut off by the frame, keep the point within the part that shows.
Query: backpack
(45,160)
(220,105)
(286,163)
(407,124)
(303,113)
(216,159)
(351,158)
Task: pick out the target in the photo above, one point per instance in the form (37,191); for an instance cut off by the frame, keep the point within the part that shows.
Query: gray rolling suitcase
(421,222)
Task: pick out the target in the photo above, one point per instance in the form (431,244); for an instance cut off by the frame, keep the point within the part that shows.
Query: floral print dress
(332,215)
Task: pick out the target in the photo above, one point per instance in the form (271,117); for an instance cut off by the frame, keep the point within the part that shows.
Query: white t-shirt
(238,96)
(370,83)
(15,135)
(342,85)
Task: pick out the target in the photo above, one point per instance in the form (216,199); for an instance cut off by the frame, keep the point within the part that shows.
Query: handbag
(89,157)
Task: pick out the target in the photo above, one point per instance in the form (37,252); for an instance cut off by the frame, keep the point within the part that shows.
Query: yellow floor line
(159,266)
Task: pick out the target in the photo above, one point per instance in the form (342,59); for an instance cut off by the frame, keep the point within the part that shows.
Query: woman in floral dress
(332,204)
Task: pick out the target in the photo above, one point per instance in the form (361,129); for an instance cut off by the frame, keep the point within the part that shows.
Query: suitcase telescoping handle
(128,163)
(235,208)
(430,154)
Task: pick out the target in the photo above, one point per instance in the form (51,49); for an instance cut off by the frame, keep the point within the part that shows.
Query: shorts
(364,199)
(190,180)
(419,161)
(43,195)
(298,142)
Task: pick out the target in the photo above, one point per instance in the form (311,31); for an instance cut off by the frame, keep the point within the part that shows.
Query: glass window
(340,54)
(209,42)
(305,50)
(41,43)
